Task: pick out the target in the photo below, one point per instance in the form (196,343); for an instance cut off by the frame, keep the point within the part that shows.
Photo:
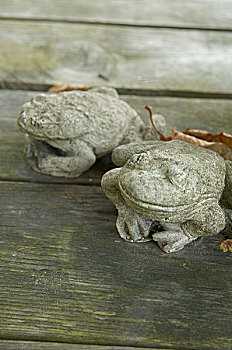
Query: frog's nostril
(40,98)
(33,121)
(142,159)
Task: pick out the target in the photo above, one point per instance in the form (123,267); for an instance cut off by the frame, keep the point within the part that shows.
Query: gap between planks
(208,14)
(106,23)
(23,86)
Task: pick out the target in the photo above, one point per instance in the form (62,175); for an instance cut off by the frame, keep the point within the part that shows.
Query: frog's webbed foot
(173,238)
(132,226)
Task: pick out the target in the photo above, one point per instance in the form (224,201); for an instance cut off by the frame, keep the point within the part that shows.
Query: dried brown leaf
(208,136)
(177,135)
(60,87)
(221,148)
(220,143)
(226,246)
(200,134)
(226,139)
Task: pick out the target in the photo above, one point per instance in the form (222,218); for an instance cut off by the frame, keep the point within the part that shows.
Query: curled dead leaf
(221,148)
(226,246)
(60,87)
(200,134)
(220,143)
(208,136)
(177,135)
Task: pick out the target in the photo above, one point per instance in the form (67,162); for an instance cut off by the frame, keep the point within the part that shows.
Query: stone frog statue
(174,189)
(66,132)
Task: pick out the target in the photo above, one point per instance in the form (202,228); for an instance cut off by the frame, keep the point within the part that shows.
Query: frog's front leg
(131,225)
(44,159)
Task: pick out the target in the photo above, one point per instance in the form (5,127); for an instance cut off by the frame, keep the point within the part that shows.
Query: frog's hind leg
(173,238)
(66,165)
(208,220)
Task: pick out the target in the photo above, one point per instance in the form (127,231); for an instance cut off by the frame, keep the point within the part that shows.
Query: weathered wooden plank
(125,57)
(212,115)
(66,276)
(179,13)
(30,345)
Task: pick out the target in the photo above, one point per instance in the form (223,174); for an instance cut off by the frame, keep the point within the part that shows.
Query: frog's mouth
(166,213)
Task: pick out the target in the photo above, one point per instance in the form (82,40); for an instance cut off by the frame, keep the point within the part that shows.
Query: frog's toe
(172,247)
(134,227)
(172,241)
(128,230)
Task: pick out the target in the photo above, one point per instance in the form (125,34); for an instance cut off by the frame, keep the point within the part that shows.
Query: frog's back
(90,116)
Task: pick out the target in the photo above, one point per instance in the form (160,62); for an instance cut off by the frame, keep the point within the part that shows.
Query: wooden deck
(67,281)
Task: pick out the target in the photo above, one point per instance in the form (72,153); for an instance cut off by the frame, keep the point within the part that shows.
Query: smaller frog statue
(67,132)
(171,192)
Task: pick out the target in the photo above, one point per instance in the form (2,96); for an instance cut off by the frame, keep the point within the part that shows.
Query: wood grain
(209,14)
(123,57)
(212,115)
(66,276)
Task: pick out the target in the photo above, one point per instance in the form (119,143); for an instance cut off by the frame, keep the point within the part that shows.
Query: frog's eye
(177,176)
(180,177)
(184,178)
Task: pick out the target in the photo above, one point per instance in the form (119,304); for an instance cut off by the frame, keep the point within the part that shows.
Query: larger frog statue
(66,132)
(174,189)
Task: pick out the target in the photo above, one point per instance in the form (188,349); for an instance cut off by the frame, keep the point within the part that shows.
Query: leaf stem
(162,137)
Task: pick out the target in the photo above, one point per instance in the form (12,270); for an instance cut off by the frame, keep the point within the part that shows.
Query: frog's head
(34,119)
(172,177)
